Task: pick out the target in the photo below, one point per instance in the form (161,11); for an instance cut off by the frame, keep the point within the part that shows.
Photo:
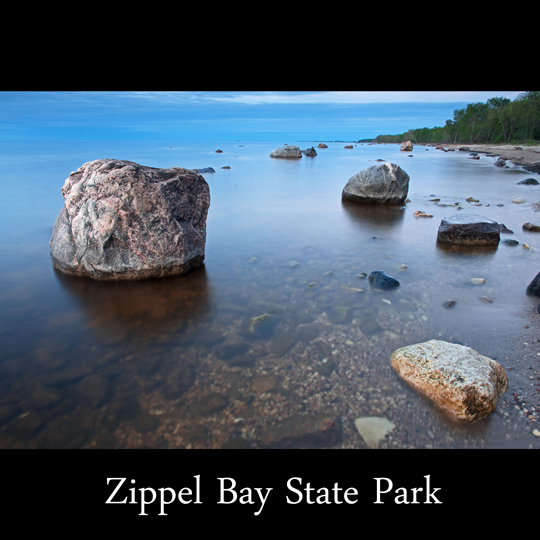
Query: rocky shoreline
(527,157)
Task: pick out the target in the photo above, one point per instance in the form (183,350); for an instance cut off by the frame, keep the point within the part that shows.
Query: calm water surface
(181,363)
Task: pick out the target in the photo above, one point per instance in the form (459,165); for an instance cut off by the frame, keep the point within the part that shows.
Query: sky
(223,115)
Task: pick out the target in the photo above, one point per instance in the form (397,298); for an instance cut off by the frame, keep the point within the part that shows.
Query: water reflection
(374,216)
(145,310)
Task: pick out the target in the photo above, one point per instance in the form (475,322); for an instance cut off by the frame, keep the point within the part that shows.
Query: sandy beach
(527,157)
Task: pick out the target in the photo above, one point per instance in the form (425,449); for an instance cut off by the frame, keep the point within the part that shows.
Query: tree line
(499,120)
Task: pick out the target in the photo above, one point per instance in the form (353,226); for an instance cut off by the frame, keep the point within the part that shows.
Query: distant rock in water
(468,229)
(535,227)
(406,146)
(380,184)
(382,280)
(286,152)
(310,152)
(125,221)
(529,182)
(205,170)
(322,145)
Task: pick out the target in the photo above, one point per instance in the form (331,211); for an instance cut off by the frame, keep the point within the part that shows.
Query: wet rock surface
(386,183)
(287,152)
(125,221)
(468,229)
(461,382)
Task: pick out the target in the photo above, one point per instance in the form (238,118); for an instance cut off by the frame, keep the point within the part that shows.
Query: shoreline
(527,157)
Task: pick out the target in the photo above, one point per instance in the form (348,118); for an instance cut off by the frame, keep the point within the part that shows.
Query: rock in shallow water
(382,280)
(386,183)
(125,221)
(457,379)
(468,229)
(287,152)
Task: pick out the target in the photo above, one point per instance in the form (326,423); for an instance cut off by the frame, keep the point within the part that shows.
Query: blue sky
(222,115)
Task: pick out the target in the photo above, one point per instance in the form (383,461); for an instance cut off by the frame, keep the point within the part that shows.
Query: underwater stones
(381,280)
(304,431)
(468,229)
(461,382)
(261,326)
(373,429)
(385,183)
(125,221)
(287,152)
(226,351)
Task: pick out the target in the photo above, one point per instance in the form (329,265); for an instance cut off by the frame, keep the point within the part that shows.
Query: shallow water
(176,363)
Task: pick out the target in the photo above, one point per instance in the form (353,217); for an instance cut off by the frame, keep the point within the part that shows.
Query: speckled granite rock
(125,221)
(460,381)
(385,183)
(286,152)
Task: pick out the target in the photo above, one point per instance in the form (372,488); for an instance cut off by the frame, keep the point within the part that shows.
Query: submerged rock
(468,229)
(303,431)
(457,379)
(125,221)
(386,183)
(286,152)
(529,182)
(382,280)
(373,429)
(310,152)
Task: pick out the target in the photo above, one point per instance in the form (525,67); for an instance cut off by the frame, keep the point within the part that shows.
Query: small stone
(534,227)
(519,201)
(373,429)
(477,281)
(450,304)
(471,199)
(536,433)
(382,280)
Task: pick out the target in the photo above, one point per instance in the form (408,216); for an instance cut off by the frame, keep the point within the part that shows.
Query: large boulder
(457,379)
(125,221)
(406,146)
(291,151)
(468,229)
(385,183)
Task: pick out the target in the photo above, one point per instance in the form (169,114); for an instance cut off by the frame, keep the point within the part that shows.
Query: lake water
(172,364)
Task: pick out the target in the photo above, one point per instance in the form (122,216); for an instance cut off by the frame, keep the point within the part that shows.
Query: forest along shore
(527,157)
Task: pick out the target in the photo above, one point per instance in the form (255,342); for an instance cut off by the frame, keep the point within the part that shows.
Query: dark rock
(382,280)
(146,423)
(504,229)
(209,404)
(464,149)
(125,221)
(450,304)
(205,170)
(322,145)
(227,350)
(325,369)
(510,242)
(500,163)
(179,379)
(310,152)
(534,227)
(236,443)
(304,431)
(534,286)
(468,230)
(209,337)
(386,183)
(93,390)
(529,182)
